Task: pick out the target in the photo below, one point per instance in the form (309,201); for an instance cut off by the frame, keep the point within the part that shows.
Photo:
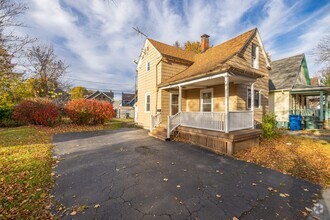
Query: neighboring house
(102,96)
(128,99)
(123,111)
(316,81)
(290,90)
(61,96)
(116,106)
(212,99)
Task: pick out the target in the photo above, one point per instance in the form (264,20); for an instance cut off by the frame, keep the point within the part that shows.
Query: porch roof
(210,80)
(310,90)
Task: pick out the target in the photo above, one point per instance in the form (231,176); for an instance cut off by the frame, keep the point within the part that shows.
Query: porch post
(252,104)
(321,106)
(226,104)
(180,99)
(326,107)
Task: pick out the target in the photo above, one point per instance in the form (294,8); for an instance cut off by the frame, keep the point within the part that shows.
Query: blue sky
(96,37)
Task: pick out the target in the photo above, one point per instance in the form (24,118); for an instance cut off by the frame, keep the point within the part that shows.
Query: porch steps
(159,132)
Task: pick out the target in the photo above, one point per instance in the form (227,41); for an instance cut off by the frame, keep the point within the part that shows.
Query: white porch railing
(204,120)
(211,121)
(239,120)
(155,120)
(173,122)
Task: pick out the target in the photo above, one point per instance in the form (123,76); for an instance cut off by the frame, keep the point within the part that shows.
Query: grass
(26,167)
(306,158)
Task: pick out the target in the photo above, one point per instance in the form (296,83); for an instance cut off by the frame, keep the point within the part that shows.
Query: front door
(174,104)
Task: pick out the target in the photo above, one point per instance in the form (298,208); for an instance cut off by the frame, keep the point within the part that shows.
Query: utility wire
(96,81)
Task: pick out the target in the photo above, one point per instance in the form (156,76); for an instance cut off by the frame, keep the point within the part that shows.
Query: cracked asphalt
(125,173)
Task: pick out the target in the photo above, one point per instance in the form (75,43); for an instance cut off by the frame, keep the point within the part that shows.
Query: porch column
(321,106)
(252,104)
(180,99)
(226,104)
(326,107)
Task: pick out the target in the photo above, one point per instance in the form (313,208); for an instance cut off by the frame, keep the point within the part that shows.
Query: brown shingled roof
(214,58)
(172,51)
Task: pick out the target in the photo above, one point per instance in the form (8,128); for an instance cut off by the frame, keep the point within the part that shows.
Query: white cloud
(97,39)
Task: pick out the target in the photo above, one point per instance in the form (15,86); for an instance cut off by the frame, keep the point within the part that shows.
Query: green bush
(269,126)
(6,113)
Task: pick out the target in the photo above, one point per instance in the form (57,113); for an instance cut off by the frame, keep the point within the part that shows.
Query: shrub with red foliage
(86,111)
(36,111)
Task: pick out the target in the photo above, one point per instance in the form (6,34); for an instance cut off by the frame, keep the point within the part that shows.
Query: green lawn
(26,168)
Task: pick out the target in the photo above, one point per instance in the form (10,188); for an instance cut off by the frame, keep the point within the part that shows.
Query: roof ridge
(284,58)
(174,47)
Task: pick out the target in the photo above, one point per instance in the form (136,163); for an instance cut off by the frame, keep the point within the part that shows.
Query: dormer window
(255,56)
(148,66)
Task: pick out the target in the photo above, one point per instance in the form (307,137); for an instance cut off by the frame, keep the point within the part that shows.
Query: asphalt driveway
(126,174)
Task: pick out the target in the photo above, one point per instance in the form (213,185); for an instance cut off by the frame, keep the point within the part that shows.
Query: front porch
(309,102)
(220,131)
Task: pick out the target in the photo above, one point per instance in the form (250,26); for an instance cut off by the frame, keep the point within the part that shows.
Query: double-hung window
(256,101)
(255,56)
(206,99)
(147,102)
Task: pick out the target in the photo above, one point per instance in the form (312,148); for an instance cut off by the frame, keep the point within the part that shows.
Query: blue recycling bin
(295,122)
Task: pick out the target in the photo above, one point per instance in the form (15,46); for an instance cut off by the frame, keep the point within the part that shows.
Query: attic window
(148,66)
(255,56)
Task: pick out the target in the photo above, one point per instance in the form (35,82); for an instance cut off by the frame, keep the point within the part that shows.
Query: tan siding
(261,83)
(169,69)
(193,98)
(147,83)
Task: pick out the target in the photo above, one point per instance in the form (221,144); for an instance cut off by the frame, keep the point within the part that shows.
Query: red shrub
(86,111)
(36,111)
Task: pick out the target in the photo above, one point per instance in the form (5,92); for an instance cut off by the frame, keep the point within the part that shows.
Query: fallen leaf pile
(304,157)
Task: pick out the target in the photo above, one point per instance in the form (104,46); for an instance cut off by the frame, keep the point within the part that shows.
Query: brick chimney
(205,42)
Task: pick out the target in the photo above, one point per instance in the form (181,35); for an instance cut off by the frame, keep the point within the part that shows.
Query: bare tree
(9,14)
(46,70)
(322,51)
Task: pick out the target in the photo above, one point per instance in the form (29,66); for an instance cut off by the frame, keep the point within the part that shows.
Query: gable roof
(127,96)
(109,95)
(213,59)
(172,51)
(284,72)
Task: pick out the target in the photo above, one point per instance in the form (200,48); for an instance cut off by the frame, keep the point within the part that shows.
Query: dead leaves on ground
(304,157)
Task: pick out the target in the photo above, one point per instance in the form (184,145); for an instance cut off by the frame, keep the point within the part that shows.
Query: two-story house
(213,98)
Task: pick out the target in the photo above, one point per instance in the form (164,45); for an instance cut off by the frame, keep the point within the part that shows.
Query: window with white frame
(174,103)
(147,102)
(206,99)
(148,66)
(255,56)
(257,98)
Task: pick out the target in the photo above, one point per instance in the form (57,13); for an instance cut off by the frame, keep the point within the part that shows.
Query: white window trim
(257,57)
(172,93)
(145,102)
(247,98)
(147,65)
(201,98)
